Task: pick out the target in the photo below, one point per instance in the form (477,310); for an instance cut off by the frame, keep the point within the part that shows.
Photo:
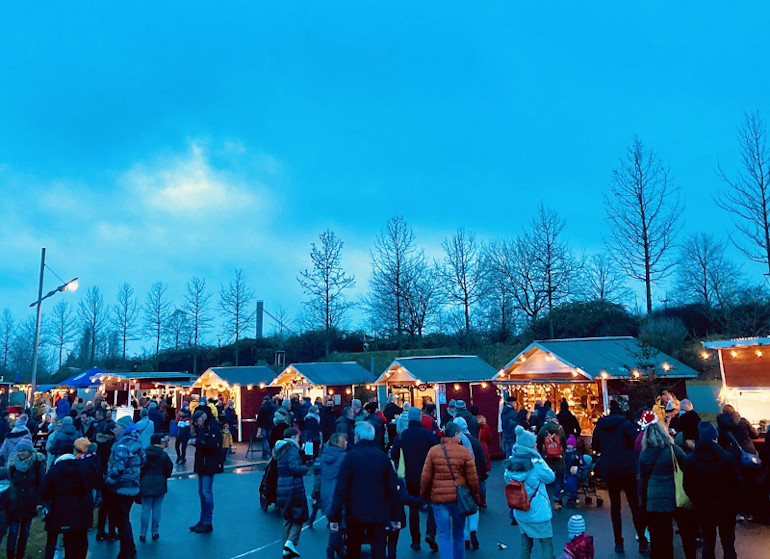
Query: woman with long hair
(656,473)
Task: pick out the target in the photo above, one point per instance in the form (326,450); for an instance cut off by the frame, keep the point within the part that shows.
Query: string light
(734,353)
(759,353)
(484,385)
(457,387)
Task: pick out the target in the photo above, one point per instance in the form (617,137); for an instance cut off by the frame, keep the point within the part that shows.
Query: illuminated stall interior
(745,367)
(119,389)
(587,372)
(337,380)
(246,386)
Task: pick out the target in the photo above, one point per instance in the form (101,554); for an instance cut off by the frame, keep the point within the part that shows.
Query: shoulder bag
(682,500)
(748,459)
(465,501)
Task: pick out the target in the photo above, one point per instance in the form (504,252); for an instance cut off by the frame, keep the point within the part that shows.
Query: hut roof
(443,368)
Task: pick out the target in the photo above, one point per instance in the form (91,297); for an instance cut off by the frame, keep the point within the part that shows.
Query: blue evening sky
(144,141)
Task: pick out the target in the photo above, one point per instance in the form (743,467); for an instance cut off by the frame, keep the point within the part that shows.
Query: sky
(142,142)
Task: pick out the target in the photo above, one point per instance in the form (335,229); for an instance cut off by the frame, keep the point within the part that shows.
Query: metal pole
(33,380)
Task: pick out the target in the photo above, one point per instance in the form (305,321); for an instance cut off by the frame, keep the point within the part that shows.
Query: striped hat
(576,525)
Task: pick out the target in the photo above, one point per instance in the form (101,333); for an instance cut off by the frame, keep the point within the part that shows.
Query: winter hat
(648,417)
(576,525)
(414,414)
(524,437)
(460,405)
(197,414)
(153,406)
(82,445)
(25,445)
(462,424)
(144,413)
(21,421)
(66,420)
(452,403)
(124,421)
(550,414)
(706,431)
(571,441)
(313,409)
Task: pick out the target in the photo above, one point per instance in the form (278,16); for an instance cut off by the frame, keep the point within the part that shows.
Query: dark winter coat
(208,447)
(265,415)
(521,419)
(125,464)
(331,460)
(688,425)
(656,474)
(290,491)
(366,487)
(379,428)
(312,427)
(157,419)
(60,439)
(66,490)
(614,438)
(348,427)
(276,435)
(92,466)
(62,407)
(508,422)
(712,479)
(568,421)
(155,472)
(742,430)
(415,441)
(328,422)
(25,477)
(479,457)
(391,411)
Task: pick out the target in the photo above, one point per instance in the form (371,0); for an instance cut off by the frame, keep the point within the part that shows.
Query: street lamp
(71,285)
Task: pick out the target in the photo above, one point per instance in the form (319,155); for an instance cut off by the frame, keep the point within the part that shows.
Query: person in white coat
(527,466)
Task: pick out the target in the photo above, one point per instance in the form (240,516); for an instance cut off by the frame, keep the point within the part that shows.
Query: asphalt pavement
(242,530)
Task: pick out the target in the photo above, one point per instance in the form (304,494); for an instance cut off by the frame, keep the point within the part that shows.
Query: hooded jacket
(567,420)
(208,446)
(331,460)
(25,477)
(126,460)
(711,477)
(8,450)
(68,492)
(508,422)
(656,474)
(155,472)
(527,466)
(290,491)
(145,428)
(63,437)
(614,438)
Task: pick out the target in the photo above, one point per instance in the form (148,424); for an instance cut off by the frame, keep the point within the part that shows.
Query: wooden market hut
(246,386)
(338,380)
(120,388)
(745,367)
(441,378)
(588,373)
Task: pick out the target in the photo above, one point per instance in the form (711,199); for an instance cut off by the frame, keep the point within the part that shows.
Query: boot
(474,540)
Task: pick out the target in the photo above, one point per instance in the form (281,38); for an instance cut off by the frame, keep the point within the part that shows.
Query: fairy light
(758,352)
(705,355)
(457,387)
(734,353)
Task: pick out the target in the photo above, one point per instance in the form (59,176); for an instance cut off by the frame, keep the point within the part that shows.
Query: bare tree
(748,194)
(23,347)
(196,305)
(282,320)
(7,326)
(156,314)
(643,213)
(393,257)
(61,328)
(422,297)
(553,257)
(462,273)
(124,315)
(603,280)
(92,317)
(515,263)
(704,274)
(497,301)
(325,285)
(177,330)
(235,301)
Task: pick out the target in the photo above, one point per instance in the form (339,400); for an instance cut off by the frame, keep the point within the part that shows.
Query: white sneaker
(289,546)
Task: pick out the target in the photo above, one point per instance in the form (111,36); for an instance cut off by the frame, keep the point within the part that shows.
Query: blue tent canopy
(84,379)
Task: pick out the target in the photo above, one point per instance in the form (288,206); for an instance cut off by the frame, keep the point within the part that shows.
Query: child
(580,544)
(154,484)
(227,440)
(571,480)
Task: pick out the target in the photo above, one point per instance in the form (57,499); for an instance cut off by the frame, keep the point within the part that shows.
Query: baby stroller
(586,478)
(269,485)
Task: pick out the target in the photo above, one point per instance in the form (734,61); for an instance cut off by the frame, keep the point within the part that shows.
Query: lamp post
(71,285)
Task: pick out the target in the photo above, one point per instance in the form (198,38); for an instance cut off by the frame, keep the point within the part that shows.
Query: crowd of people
(377,472)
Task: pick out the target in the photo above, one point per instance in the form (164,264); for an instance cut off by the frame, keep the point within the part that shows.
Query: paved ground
(243,531)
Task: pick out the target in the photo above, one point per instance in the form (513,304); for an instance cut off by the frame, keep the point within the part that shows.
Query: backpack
(516,495)
(552,446)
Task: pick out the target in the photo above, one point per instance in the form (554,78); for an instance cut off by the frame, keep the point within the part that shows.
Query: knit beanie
(550,414)
(706,431)
(125,421)
(24,445)
(571,441)
(414,414)
(460,404)
(524,437)
(66,420)
(576,525)
(144,413)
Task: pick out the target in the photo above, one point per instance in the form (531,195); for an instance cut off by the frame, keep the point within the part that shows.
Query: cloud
(189,186)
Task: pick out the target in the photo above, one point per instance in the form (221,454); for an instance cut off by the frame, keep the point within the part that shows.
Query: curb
(229,468)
